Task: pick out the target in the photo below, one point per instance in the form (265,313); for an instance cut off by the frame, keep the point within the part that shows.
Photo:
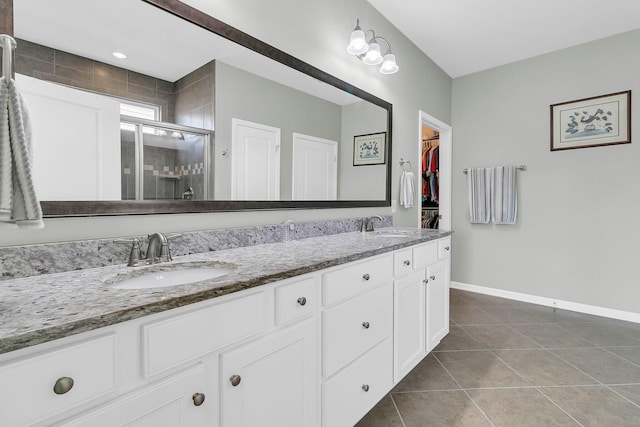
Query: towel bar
(521,167)
(8,44)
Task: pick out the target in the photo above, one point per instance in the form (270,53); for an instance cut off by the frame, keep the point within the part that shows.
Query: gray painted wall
(245,96)
(577,233)
(316,32)
(367,182)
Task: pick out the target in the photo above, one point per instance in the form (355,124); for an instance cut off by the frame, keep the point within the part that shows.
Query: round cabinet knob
(446,248)
(365,325)
(365,387)
(366,276)
(198,399)
(407,262)
(63,385)
(432,277)
(425,281)
(235,380)
(302,301)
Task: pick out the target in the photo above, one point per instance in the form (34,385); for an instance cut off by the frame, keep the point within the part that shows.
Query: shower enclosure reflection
(163,161)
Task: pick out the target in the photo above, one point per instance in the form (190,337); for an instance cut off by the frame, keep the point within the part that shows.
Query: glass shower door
(171,162)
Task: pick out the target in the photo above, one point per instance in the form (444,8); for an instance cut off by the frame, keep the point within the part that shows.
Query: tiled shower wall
(54,65)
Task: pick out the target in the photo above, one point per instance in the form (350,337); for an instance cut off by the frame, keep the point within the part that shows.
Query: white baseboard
(550,302)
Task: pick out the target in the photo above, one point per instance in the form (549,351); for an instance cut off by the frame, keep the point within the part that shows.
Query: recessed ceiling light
(119,55)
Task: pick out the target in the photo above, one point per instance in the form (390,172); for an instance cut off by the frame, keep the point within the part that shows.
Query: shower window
(164,161)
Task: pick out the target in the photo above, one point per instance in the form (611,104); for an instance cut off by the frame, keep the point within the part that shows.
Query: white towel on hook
(407,189)
(18,202)
(479,189)
(504,195)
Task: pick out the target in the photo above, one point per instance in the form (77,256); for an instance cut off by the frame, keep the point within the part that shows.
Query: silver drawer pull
(446,248)
(366,276)
(235,380)
(198,399)
(425,281)
(302,301)
(365,325)
(407,262)
(365,387)
(63,385)
(432,277)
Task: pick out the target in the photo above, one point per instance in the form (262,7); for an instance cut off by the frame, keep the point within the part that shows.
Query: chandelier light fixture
(369,52)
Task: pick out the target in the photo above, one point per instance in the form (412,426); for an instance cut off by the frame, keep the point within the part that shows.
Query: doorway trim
(445,166)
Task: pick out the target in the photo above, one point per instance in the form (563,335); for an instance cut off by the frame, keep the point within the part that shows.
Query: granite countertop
(43,308)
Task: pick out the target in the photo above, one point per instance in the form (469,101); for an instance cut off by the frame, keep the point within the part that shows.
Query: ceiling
(466,36)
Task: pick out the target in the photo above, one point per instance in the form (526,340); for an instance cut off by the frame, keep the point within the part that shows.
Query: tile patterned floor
(508,363)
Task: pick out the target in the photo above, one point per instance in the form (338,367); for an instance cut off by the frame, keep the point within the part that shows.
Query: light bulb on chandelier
(369,52)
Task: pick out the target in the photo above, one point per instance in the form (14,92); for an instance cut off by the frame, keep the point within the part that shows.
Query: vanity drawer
(356,278)
(178,339)
(402,262)
(38,387)
(444,247)
(296,299)
(349,395)
(353,327)
(424,255)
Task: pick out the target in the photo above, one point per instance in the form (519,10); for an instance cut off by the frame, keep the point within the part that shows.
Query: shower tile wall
(194,98)
(54,65)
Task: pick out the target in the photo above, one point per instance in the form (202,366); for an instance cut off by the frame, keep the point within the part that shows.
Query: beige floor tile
(478,369)
(631,392)
(551,336)
(601,334)
(632,354)
(439,409)
(462,315)
(457,339)
(515,315)
(428,375)
(600,364)
(384,414)
(595,406)
(520,407)
(499,337)
(540,367)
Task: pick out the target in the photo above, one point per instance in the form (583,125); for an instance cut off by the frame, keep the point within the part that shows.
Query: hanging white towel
(18,202)
(479,189)
(407,189)
(504,195)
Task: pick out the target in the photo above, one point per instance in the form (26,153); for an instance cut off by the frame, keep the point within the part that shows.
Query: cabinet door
(438,277)
(409,323)
(272,381)
(179,401)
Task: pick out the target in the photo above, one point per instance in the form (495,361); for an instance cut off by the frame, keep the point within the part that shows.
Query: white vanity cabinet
(273,381)
(421,302)
(357,336)
(320,349)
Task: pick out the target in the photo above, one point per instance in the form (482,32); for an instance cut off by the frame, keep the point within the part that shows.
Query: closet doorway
(434,186)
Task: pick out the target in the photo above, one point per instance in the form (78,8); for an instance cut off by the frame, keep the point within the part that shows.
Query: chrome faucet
(369,222)
(158,249)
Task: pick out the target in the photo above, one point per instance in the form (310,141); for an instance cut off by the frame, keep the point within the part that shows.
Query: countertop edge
(90,323)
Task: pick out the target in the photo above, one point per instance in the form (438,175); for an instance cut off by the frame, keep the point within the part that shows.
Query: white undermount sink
(164,275)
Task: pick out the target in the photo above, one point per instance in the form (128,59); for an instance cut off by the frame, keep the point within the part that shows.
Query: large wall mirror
(198,117)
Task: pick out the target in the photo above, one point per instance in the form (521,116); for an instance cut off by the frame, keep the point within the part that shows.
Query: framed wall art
(369,149)
(591,122)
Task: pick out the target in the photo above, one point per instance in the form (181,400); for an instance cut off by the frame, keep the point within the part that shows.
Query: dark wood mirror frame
(105,208)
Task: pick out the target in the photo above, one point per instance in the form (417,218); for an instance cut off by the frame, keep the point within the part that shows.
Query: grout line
(397,410)
(465,392)
(624,397)
(559,407)
(621,357)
